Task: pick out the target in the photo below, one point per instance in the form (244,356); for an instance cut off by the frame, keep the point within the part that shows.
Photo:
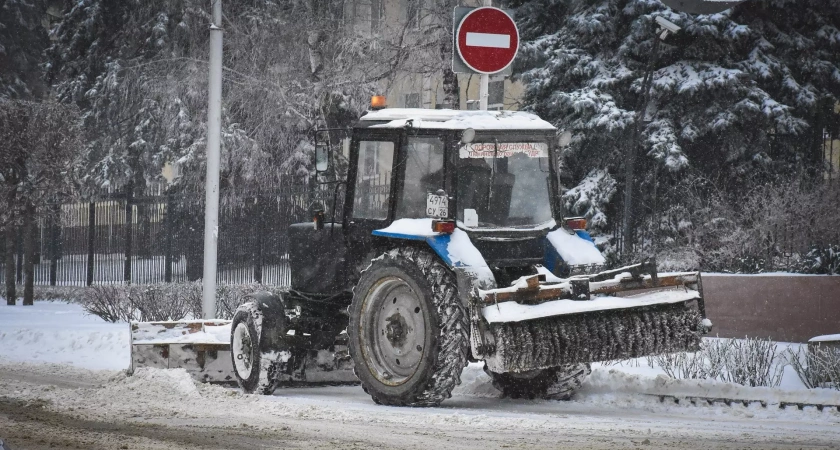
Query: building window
(349,13)
(413,9)
(412,100)
(377,15)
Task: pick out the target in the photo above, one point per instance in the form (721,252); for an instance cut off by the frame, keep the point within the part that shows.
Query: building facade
(418,26)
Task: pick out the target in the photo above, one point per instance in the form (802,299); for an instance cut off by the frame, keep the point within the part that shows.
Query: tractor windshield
(503,184)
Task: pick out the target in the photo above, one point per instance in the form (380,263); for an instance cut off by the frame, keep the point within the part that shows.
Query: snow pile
(615,380)
(462,252)
(457,119)
(176,383)
(409,228)
(825,338)
(574,249)
(515,312)
(188,331)
(59,332)
(476,383)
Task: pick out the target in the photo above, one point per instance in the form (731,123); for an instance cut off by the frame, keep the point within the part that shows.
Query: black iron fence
(160,238)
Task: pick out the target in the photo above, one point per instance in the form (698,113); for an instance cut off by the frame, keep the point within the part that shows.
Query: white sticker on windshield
(505,149)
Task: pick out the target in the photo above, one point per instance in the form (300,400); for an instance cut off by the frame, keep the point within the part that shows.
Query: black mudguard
(274,321)
(317,258)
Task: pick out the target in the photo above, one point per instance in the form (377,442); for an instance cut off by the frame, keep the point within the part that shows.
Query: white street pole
(214,127)
(483,94)
(484,81)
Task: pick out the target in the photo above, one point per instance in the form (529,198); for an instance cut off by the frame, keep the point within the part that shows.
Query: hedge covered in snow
(150,302)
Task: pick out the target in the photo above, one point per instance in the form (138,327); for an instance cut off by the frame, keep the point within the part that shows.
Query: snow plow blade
(626,313)
(202,347)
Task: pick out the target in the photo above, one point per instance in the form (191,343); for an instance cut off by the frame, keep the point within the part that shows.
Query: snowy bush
(821,260)
(753,362)
(818,366)
(749,361)
(787,226)
(165,301)
(73,294)
(110,302)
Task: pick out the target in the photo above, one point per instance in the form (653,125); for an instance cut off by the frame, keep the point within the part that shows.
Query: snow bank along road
(47,403)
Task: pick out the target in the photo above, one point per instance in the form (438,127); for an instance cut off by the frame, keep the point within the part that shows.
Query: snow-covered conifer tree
(736,96)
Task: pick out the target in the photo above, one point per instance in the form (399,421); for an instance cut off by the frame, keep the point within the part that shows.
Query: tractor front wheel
(255,372)
(408,330)
(556,383)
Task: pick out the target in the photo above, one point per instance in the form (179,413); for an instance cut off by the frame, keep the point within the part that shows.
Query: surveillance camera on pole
(665,27)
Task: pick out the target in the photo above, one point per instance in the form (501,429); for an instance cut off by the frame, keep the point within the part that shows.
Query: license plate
(437,206)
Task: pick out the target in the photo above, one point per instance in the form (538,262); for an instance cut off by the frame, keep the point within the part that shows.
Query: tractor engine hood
(480,250)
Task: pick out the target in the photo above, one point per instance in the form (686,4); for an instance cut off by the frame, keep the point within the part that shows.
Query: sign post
(486,41)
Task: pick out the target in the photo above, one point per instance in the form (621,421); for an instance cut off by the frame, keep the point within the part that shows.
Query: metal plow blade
(625,313)
(202,347)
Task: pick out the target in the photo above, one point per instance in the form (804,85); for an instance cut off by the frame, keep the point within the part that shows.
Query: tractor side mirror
(322,158)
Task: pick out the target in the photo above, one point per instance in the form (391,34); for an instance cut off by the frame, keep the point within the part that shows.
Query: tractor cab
(414,174)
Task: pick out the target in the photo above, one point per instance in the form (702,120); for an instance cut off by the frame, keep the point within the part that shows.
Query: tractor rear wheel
(556,383)
(408,330)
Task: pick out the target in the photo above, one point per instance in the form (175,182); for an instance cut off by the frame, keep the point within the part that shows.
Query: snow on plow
(536,324)
(202,347)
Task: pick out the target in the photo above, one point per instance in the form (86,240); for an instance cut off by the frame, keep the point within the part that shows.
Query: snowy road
(46,403)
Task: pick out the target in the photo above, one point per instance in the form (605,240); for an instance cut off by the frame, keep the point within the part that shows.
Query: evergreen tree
(23,39)
(736,96)
(111,59)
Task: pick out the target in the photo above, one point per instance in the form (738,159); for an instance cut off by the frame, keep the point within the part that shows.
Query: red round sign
(487,40)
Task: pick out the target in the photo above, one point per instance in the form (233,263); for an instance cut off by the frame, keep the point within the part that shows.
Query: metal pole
(628,221)
(129,224)
(214,126)
(91,241)
(483,94)
(484,80)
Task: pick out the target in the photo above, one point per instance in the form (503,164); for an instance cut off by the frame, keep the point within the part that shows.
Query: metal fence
(160,238)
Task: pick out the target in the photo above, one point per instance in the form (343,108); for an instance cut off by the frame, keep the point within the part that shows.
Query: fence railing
(159,238)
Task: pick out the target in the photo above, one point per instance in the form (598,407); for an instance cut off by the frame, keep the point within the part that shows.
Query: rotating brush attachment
(593,337)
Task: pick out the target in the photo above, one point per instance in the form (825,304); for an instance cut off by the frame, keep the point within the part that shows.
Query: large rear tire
(556,383)
(408,332)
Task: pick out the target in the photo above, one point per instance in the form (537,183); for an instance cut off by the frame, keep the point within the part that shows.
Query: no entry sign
(487,40)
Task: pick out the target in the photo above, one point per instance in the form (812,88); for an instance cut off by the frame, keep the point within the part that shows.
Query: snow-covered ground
(54,360)
(58,332)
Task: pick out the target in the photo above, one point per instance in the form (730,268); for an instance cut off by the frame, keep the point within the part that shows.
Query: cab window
(423,160)
(373,179)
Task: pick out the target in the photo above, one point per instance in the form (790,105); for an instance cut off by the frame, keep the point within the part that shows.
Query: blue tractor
(451,246)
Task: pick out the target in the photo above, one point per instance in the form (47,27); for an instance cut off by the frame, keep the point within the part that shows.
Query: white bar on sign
(488,40)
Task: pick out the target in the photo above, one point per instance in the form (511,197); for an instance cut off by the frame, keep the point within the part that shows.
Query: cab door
(370,201)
